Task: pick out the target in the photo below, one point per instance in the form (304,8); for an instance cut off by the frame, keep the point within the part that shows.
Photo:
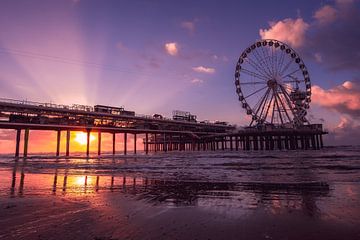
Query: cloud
(347,132)
(344,1)
(189,26)
(344,98)
(326,14)
(288,30)
(202,69)
(121,46)
(197,81)
(172,48)
(318,57)
(333,33)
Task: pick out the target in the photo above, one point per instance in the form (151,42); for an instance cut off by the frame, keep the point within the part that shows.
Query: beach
(211,195)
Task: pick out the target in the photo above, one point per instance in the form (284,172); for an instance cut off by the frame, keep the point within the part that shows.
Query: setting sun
(81,138)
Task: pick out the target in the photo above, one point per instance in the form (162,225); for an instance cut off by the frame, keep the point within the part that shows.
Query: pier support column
(292,144)
(261,142)
(165,148)
(134,143)
(146,143)
(125,143)
(313,142)
(307,142)
(317,141)
(279,145)
(321,141)
(171,147)
(17,148)
(247,143)
(286,141)
(26,142)
(302,142)
(267,145)
(256,142)
(87,142)
(272,143)
(231,143)
(99,143)
(113,143)
(58,142)
(155,142)
(67,143)
(297,142)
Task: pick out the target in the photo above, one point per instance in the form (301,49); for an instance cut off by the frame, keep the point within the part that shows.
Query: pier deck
(158,134)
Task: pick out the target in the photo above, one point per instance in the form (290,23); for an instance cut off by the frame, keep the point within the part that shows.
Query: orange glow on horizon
(81,138)
(41,142)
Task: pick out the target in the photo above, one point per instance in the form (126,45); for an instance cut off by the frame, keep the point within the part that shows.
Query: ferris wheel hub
(272,83)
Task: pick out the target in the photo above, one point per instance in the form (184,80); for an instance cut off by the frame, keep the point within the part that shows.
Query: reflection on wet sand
(173,192)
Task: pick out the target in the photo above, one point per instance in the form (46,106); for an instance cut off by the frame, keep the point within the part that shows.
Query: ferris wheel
(273,84)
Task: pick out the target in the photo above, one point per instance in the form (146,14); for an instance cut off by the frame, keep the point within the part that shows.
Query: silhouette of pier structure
(159,134)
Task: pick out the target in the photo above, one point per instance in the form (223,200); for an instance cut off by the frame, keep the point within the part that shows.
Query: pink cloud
(318,57)
(344,98)
(344,1)
(197,81)
(172,48)
(288,30)
(326,14)
(202,69)
(189,26)
(347,132)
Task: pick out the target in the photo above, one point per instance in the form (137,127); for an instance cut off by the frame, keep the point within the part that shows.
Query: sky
(158,56)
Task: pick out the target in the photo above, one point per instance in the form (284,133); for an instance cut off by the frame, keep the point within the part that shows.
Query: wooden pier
(159,135)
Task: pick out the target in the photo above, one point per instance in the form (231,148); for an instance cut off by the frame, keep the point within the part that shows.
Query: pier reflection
(274,197)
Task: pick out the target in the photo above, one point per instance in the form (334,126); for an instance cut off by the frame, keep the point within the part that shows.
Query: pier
(159,134)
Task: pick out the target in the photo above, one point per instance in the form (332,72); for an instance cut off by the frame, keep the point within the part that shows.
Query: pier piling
(17,148)
(58,137)
(67,143)
(26,142)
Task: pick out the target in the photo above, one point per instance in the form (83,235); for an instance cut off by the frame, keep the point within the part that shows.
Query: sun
(81,138)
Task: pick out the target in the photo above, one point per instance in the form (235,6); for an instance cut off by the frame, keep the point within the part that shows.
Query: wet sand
(127,218)
(74,199)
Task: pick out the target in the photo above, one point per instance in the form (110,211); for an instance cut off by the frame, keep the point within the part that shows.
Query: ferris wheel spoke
(290,74)
(258,103)
(277,65)
(259,90)
(258,58)
(268,106)
(262,103)
(253,74)
(272,61)
(281,62)
(284,107)
(265,62)
(293,81)
(257,67)
(273,109)
(287,87)
(275,61)
(288,101)
(276,102)
(286,67)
